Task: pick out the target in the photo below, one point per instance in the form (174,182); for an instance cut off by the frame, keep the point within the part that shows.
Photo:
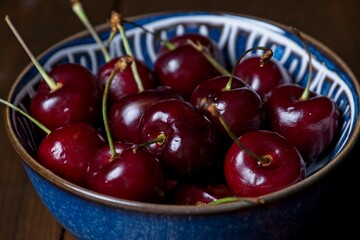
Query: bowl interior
(233,33)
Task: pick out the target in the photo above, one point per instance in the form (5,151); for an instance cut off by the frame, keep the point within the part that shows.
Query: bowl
(89,215)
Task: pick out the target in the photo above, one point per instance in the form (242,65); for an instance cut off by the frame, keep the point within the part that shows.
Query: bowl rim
(159,208)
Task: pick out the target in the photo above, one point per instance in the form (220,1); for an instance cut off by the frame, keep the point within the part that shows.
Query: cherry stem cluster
(120,66)
(116,25)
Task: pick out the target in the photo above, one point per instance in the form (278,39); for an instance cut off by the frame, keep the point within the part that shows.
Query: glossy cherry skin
(191,141)
(125,114)
(133,174)
(77,100)
(247,178)
(212,86)
(189,193)
(67,150)
(195,38)
(124,82)
(311,125)
(240,106)
(262,79)
(183,69)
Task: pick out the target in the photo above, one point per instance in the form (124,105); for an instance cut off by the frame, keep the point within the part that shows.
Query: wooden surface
(44,22)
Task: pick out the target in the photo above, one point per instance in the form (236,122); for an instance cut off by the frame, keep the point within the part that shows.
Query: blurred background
(44,22)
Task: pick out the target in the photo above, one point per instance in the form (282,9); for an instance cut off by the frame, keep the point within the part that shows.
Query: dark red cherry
(133,174)
(195,38)
(124,82)
(125,114)
(190,141)
(239,105)
(281,164)
(77,98)
(189,193)
(310,124)
(67,150)
(183,68)
(262,78)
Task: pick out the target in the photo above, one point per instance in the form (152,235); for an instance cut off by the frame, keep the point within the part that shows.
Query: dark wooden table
(44,22)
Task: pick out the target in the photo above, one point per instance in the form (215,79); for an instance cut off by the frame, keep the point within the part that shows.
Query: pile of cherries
(192,130)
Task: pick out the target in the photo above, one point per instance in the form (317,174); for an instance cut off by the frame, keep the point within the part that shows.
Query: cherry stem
(36,122)
(210,106)
(236,199)
(80,13)
(265,58)
(50,82)
(206,53)
(306,93)
(160,139)
(120,66)
(116,23)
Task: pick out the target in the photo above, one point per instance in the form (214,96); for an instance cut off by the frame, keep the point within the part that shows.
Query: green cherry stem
(80,13)
(210,106)
(116,23)
(236,199)
(306,93)
(120,65)
(50,82)
(36,122)
(160,139)
(265,58)
(206,53)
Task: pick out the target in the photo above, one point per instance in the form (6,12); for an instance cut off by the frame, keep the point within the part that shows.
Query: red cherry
(67,150)
(77,99)
(125,114)
(183,68)
(195,38)
(310,124)
(190,141)
(262,78)
(124,82)
(240,106)
(193,194)
(247,176)
(132,174)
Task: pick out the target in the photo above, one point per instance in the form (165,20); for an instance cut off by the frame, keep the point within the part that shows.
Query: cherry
(311,124)
(77,99)
(132,174)
(130,80)
(68,94)
(188,142)
(197,38)
(309,120)
(125,114)
(124,82)
(183,68)
(240,105)
(67,150)
(121,169)
(189,193)
(262,77)
(279,164)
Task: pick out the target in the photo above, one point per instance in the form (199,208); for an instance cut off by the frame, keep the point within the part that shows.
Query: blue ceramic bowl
(89,215)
